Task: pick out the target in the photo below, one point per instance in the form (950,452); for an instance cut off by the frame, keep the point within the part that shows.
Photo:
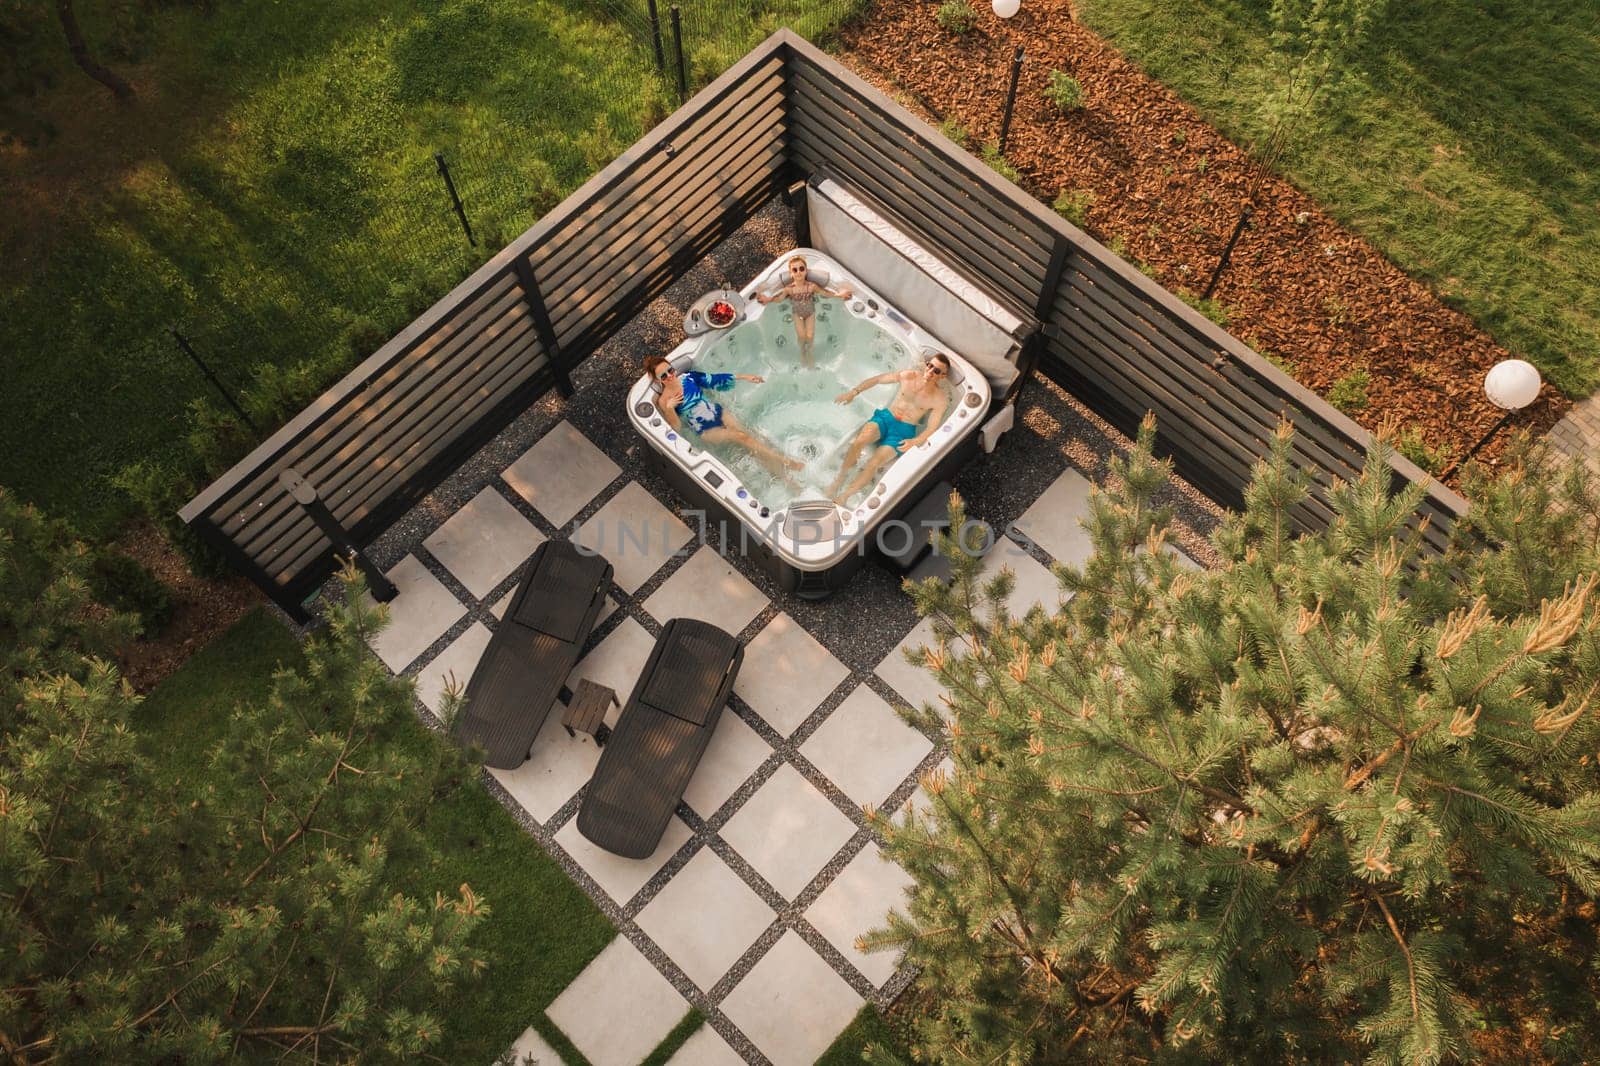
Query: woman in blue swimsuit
(683,401)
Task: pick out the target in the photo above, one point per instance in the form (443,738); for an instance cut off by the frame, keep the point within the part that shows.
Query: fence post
(677,48)
(455,200)
(1011,99)
(542,324)
(305,494)
(1060,249)
(655,39)
(194,356)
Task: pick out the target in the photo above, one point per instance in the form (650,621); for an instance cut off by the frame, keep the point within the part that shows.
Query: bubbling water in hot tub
(794,407)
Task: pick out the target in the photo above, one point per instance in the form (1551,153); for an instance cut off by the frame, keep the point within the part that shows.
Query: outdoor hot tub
(807,540)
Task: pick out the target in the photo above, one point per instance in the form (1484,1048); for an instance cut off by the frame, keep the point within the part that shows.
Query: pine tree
(250,915)
(1333,800)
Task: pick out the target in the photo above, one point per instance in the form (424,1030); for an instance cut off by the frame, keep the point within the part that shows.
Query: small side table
(587,711)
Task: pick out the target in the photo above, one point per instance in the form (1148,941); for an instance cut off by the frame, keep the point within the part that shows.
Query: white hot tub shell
(812,545)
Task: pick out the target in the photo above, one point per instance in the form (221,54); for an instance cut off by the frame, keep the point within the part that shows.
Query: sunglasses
(938,369)
(665,374)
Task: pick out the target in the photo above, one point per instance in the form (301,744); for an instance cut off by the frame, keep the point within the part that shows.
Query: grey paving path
(1578,433)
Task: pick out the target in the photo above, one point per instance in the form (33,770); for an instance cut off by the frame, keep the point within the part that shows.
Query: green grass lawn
(869,1027)
(1468,150)
(273,194)
(542,930)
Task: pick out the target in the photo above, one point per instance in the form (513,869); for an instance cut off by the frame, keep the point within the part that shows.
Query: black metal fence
(393,428)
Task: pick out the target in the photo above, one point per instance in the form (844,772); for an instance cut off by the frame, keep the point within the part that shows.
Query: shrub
(1414,446)
(956,16)
(1064,91)
(1073,205)
(955,131)
(1215,310)
(125,584)
(999,163)
(1349,393)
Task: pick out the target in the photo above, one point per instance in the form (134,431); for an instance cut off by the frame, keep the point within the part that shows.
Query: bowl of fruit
(721,313)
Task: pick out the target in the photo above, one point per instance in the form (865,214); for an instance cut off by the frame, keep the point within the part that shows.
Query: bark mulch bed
(1167,190)
(202,608)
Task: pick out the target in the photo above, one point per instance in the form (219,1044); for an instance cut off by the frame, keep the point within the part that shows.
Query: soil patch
(1165,189)
(202,608)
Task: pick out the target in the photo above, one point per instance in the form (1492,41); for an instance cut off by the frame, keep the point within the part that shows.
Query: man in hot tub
(894,429)
(683,399)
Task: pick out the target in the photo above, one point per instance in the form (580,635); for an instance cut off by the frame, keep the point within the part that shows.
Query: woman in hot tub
(683,399)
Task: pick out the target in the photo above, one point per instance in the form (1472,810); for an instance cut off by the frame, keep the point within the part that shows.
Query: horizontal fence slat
(343,474)
(430,434)
(619,272)
(694,149)
(412,383)
(820,136)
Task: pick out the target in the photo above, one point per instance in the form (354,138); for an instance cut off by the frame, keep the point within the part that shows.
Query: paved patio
(750,907)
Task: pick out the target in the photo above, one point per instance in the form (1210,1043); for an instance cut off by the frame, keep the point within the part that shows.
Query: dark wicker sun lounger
(533,649)
(658,742)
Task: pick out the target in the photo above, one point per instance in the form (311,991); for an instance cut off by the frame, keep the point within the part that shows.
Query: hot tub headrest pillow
(780,277)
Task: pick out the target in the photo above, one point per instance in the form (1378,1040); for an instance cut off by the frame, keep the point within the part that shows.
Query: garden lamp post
(1004,9)
(1510,385)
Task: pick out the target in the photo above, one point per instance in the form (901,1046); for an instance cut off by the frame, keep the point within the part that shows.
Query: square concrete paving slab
(616,661)
(482,543)
(705,918)
(865,748)
(561,473)
(636,533)
(418,616)
(619,1008)
(1053,522)
(1034,583)
(914,683)
(791,1004)
(454,665)
(621,878)
(920,801)
(558,767)
(732,756)
(858,901)
(531,1047)
(787,673)
(788,831)
(706,1048)
(707,587)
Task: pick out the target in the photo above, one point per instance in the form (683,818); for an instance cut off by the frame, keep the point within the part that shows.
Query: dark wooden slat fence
(401,421)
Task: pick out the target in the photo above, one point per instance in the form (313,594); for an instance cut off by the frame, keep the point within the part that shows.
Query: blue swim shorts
(891,430)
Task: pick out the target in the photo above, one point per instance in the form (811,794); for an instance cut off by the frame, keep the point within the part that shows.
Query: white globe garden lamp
(1510,385)
(1006,8)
